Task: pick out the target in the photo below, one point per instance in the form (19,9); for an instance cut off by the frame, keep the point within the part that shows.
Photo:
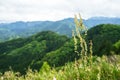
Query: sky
(35,10)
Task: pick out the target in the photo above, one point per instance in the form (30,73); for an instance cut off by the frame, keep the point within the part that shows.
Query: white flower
(54,78)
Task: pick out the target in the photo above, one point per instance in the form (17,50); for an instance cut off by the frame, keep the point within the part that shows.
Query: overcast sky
(32,10)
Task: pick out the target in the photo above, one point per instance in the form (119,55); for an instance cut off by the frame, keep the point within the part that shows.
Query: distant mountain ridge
(101,20)
(18,29)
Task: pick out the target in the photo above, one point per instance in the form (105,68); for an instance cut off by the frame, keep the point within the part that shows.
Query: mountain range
(19,29)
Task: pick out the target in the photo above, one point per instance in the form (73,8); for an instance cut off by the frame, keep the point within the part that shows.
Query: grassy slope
(104,68)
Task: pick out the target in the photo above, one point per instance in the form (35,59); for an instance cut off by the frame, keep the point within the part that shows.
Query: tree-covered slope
(104,36)
(21,53)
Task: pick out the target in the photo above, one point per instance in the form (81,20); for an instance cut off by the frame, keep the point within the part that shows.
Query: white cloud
(56,9)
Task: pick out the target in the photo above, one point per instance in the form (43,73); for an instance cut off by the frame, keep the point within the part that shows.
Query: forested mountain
(33,51)
(21,29)
(24,29)
(56,49)
(104,36)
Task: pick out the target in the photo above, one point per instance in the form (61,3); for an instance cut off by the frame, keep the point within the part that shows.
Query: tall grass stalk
(79,35)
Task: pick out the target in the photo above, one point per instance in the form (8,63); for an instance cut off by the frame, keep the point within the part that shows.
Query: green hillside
(21,53)
(104,36)
(58,50)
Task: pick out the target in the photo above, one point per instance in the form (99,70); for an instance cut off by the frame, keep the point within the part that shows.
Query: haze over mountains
(18,29)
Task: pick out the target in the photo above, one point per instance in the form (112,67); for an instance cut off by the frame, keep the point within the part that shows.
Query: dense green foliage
(21,53)
(104,36)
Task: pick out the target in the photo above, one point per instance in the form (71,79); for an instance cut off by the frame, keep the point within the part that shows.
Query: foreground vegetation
(104,68)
